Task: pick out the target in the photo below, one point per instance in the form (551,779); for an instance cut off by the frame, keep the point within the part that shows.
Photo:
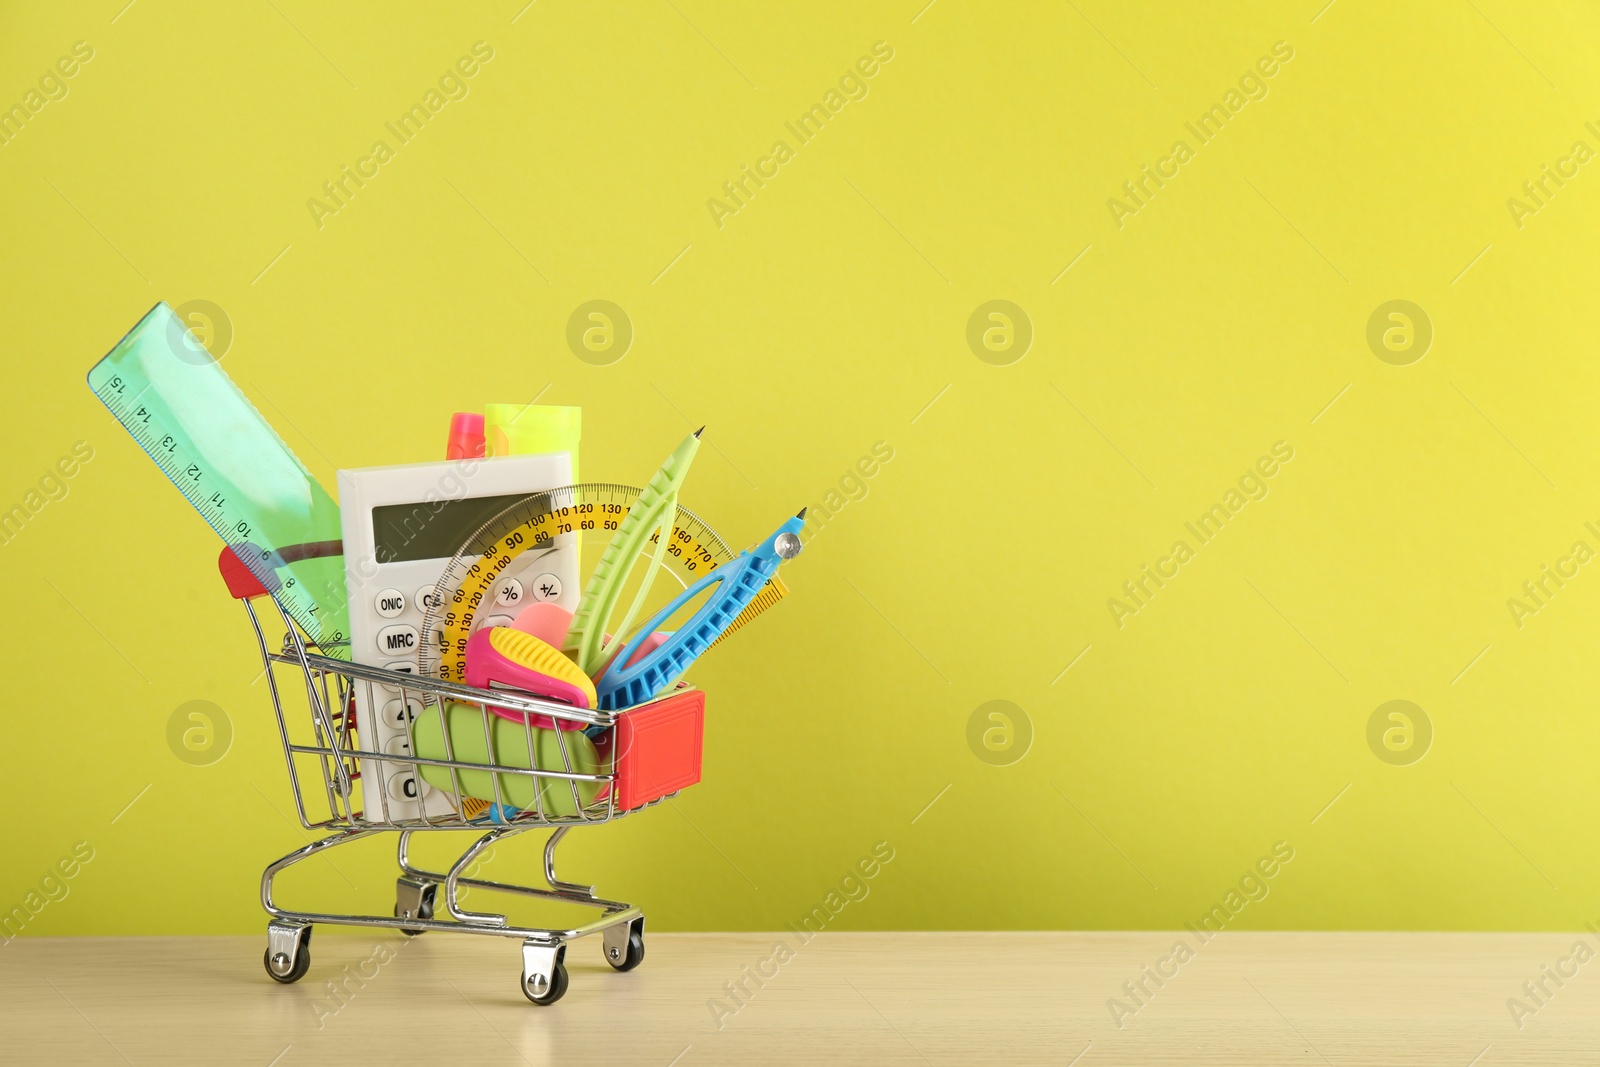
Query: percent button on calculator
(509,593)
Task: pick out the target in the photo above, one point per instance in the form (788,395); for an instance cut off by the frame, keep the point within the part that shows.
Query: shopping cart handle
(242,584)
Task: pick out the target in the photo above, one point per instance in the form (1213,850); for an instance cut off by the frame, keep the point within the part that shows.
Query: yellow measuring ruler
(597,510)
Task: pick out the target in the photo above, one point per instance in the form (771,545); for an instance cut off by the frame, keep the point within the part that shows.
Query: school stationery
(559,752)
(465,590)
(402,525)
(532,429)
(499,657)
(546,621)
(466,440)
(649,519)
(174,398)
(737,583)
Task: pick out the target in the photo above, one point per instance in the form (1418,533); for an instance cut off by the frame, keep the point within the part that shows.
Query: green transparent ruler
(173,397)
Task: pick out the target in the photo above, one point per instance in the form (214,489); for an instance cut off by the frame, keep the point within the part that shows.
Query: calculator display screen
(432,530)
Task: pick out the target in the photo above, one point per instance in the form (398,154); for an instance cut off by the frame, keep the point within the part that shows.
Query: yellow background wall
(829,313)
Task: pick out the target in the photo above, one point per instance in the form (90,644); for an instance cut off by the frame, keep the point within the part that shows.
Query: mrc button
(397,640)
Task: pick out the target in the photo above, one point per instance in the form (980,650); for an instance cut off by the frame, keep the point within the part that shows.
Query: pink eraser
(547,621)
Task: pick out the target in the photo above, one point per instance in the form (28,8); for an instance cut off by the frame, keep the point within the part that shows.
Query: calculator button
(401,666)
(427,600)
(397,640)
(509,593)
(399,713)
(398,745)
(390,603)
(498,620)
(404,787)
(546,587)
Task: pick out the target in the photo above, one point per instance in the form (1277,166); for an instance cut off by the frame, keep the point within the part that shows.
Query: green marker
(650,515)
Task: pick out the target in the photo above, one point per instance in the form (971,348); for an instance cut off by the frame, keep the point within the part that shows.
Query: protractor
(464,598)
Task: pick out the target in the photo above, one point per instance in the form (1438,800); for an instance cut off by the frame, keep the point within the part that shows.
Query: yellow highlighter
(530,429)
(650,516)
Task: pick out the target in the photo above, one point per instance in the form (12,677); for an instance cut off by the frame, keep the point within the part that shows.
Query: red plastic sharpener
(659,746)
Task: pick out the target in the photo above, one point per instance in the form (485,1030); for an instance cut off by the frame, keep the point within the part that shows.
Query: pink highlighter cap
(466,436)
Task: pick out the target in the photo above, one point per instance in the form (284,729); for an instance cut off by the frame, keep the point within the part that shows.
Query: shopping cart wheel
(413,900)
(544,976)
(288,955)
(624,944)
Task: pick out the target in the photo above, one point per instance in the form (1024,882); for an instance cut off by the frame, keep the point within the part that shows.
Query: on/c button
(390,603)
(397,640)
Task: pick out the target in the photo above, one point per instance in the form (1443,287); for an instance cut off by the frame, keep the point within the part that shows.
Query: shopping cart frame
(329,685)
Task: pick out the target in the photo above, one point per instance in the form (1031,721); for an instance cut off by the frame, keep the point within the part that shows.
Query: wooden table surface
(1296,998)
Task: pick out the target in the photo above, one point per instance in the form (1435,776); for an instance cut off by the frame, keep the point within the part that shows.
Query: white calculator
(401,526)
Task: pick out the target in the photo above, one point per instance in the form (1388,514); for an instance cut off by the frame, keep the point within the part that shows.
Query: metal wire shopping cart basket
(641,756)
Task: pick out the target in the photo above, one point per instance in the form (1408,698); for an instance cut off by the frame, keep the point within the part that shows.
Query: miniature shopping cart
(646,754)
